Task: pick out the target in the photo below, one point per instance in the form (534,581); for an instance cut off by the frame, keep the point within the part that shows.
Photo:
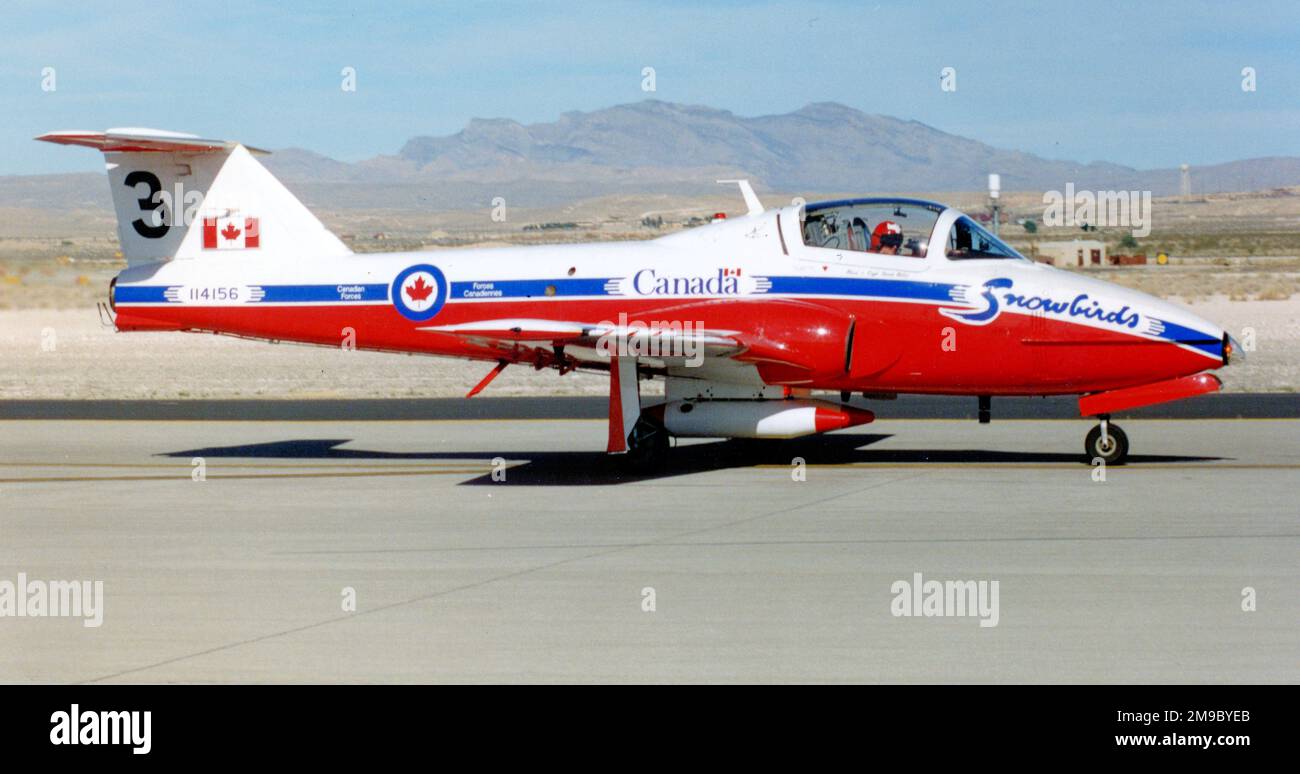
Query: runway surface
(1234,405)
(755,576)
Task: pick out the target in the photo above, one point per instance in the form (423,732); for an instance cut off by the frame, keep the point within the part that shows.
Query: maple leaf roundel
(419,291)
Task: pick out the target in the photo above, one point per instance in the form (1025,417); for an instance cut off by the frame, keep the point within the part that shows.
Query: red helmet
(887,234)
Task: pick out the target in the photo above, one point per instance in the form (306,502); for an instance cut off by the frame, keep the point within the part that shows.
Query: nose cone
(1176,324)
(1118,315)
(1159,319)
(1232,350)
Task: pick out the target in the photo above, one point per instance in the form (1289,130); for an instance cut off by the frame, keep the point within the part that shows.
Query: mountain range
(654,147)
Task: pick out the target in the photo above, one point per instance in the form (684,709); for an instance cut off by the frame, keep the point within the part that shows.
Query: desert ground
(1234,259)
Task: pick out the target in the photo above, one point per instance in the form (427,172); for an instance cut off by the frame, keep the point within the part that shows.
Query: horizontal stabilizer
(143,141)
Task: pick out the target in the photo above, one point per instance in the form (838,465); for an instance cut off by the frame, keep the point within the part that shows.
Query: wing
(773,341)
(523,338)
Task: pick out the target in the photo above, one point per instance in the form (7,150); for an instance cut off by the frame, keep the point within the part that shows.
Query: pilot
(887,238)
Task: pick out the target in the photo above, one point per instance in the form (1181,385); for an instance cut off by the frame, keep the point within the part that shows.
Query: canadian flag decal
(231,232)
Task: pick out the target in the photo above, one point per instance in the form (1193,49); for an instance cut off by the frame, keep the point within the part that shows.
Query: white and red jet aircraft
(744,317)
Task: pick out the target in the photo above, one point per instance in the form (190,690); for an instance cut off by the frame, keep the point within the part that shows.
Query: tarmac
(508,549)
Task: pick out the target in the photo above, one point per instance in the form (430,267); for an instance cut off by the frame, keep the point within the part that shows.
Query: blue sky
(1148,84)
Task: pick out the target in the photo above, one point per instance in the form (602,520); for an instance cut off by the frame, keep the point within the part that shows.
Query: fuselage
(849,320)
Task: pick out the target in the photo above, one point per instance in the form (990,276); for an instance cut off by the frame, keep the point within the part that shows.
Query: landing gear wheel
(1113,449)
(647,447)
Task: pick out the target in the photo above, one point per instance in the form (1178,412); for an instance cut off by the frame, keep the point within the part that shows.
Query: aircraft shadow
(593,468)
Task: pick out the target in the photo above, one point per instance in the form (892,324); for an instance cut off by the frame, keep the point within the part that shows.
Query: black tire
(647,447)
(1114,454)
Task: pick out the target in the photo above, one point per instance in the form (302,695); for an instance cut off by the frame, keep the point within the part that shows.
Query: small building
(1076,252)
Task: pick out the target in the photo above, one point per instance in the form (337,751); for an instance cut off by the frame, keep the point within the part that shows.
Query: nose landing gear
(1106,441)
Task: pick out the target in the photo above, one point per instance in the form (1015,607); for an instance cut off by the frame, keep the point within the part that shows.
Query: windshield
(967,240)
(885,227)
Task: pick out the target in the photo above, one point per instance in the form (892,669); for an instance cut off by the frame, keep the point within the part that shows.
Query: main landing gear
(1107,442)
(637,438)
(647,446)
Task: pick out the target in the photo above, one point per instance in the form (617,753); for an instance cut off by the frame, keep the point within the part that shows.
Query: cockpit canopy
(891,226)
(899,227)
(967,240)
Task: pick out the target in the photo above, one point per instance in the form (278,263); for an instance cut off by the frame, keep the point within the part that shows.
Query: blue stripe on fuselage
(567,287)
(1191,337)
(853,286)
(596,287)
(564,288)
(282,294)
(357,292)
(140,294)
(306,294)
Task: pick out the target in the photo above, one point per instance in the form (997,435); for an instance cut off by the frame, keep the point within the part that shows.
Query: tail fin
(179,196)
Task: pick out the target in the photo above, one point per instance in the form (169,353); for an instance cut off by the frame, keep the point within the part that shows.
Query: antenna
(751,198)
